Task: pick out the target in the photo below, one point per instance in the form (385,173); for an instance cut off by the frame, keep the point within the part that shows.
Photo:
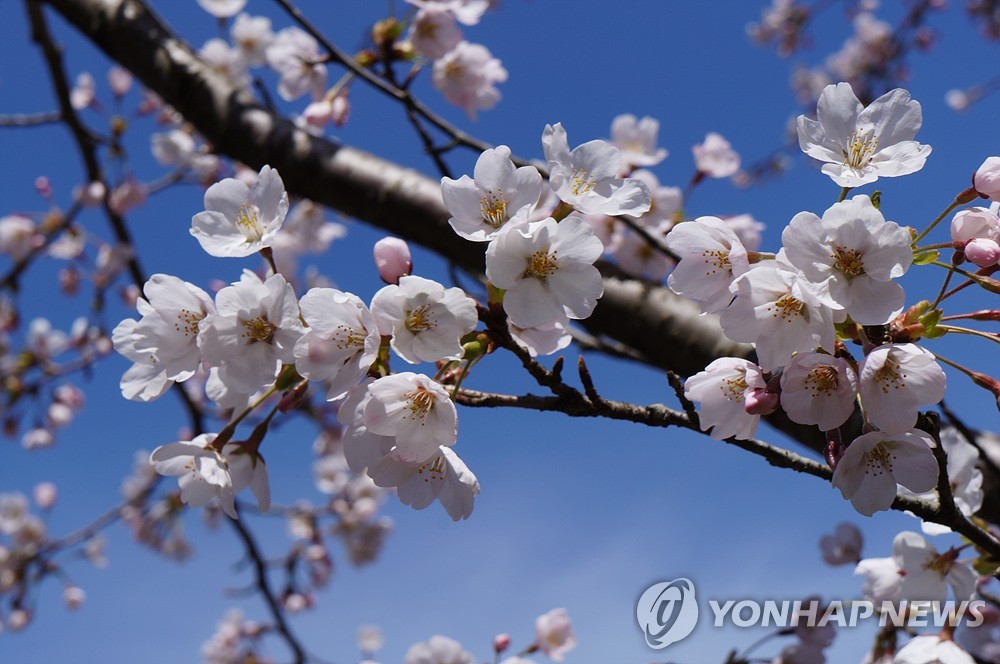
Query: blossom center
(822,380)
(541,265)
(861,147)
(249,223)
(582,182)
(419,319)
(733,388)
(879,460)
(493,206)
(345,337)
(187,322)
(434,470)
(890,376)
(716,259)
(849,261)
(259,329)
(786,307)
(421,403)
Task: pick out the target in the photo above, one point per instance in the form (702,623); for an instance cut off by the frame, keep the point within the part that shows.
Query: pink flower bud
(318,114)
(392,258)
(43,187)
(45,494)
(73,596)
(987,179)
(982,252)
(340,109)
(761,402)
(957,100)
(501,642)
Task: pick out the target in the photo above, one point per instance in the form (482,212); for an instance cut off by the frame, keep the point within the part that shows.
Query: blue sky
(575,513)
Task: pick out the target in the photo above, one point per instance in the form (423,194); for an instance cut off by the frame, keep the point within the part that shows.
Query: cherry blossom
(223,8)
(146,379)
(637,257)
(247,469)
(171,316)
(587,177)
(712,256)
(819,389)
(974,223)
(637,139)
(252,34)
(416,411)
(81,96)
(854,253)
(240,220)
(467,76)
(715,157)
(987,179)
(544,339)
(721,391)
(932,649)
(747,229)
(226,60)
(253,332)
(497,193)
(295,55)
(964,477)
(433,31)
(17,236)
(843,546)
(554,634)
(779,311)
(874,463)
(895,380)
(665,203)
(467,12)
(304,231)
(926,574)
(859,144)
(438,650)
(341,342)
(201,471)
(547,270)
(882,579)
(443,477)
(426,320)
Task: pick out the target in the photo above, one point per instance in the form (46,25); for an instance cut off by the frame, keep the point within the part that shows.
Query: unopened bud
(761,402)
(982,252)
(987,179)
(45,494)
(501,642)
(73,597)
(119,80)
(340,109)
(392,258)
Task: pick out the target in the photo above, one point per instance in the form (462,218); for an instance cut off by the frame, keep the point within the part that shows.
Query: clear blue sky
(573,513)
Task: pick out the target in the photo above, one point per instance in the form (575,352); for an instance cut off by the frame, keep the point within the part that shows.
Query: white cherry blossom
(547,269)
(426,320)
(721,391)
(467,12)
(715,157)
(987,179)
(819,389)
(874,463)
(417,411)
(295,55)
(859,144)
(438,650)
(897,379)
(779,311)
(498,192)
(201,471)
(226,60)
(341,342)
(964,477)
(712,256)
(240,220)
(855,254)
(544,339)
(927,574)
(467,76)
(146,379)
(252,35)
(223,8)
(253,332)
(554,634)
(932,649)
(443,477)
(433,31)
(637,139)
(17,236)
(882,579)
(587,177)
(247,469)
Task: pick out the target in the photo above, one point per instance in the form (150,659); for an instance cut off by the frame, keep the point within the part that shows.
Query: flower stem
(843,193)
(954,204)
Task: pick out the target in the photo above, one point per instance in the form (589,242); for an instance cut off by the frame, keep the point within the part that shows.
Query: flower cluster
(833,281)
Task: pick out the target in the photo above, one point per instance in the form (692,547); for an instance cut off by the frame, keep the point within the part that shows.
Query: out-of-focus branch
(658,325)
(30,119)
